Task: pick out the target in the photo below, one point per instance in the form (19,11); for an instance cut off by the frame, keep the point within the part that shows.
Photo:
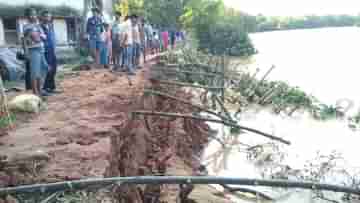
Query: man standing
(127,43)
(137,41)
(116,40)
(119,33)
(142,38)
(94,29)
(149,37)
(172,35)
(105,46)
(50,56)
(34,49)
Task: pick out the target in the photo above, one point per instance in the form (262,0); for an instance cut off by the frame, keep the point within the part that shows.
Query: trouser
(28,84)
(104,55)
(49,83)
(121,55)
(128,52)
(136,53)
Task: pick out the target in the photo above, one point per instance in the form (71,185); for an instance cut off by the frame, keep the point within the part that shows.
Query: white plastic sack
(26,103)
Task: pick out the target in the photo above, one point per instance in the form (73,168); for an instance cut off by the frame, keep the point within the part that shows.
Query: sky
(296,7)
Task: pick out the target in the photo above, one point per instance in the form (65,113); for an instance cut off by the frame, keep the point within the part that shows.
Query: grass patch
(60,76)
(6,121)
(12,84)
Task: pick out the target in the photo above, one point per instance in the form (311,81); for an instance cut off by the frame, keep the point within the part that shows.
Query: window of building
(10,31)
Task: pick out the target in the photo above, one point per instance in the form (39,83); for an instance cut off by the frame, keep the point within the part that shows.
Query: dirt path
(70,140)
(74,131)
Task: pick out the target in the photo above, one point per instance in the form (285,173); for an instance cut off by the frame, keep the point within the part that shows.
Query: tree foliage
(219,30)
(206,19)
(288,23)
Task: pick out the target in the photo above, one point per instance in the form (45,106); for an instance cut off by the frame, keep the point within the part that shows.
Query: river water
(324,63)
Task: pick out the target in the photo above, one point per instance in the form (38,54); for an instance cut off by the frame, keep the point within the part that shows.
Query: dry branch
(173,70)
(214,121)
(223,108)
(188,85)
(186,102)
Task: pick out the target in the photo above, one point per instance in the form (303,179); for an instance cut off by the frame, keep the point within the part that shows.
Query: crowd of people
(121,44)
(118,45)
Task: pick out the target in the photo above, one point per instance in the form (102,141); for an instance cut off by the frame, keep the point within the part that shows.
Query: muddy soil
(81,130)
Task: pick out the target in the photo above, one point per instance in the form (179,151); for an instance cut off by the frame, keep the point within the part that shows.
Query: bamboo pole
(149,113)
(83,184)
(253,89)
(188,85)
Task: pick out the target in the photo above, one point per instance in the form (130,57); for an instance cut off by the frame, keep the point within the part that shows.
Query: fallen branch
(186,102)
(214,121)
(173,70)
(83,184)
(189,85)
(224,109)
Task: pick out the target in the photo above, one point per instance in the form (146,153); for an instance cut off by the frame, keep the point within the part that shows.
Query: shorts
(95,44)
(137,49)
(116,46)
(38,64)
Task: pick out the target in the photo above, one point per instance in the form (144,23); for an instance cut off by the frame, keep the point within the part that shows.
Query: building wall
(78,4)
(61,31)
(2,33)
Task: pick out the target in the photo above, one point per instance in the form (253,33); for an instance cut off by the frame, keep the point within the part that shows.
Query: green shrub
(6,121)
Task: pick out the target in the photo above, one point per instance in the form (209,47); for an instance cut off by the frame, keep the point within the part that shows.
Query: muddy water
(322,62)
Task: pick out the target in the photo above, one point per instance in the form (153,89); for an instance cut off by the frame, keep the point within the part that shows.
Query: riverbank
(78,135)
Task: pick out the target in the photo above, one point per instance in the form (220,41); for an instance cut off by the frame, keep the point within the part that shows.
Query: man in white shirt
(128,45)
(137,41)
(117,37)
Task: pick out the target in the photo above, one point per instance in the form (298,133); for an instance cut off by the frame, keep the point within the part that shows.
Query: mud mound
(148,145)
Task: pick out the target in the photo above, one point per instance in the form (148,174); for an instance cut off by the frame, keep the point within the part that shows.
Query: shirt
(148,31)
(136,34)
(128,32)
(94,27)
(142,34)
(117,30)
(50,41)
(32,35)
